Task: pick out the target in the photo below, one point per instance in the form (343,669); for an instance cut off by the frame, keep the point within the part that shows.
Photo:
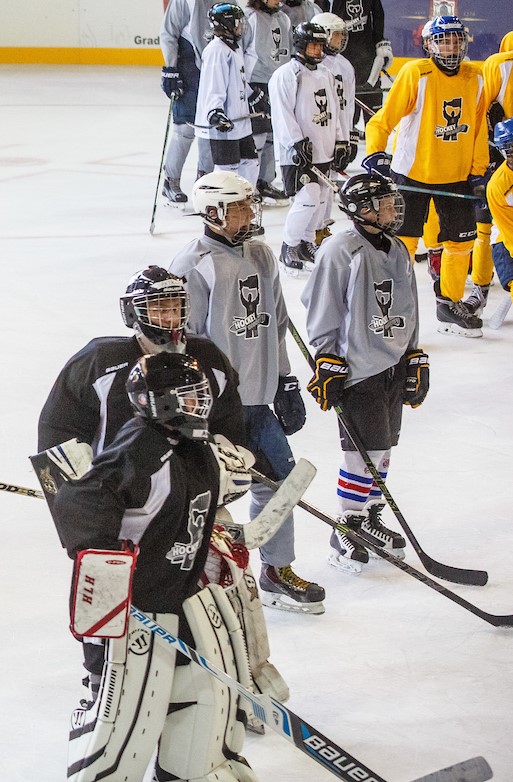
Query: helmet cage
(304,34)
(332,24)
(220,221)
(447,32)
(368,193)
(503,137)
(145,310)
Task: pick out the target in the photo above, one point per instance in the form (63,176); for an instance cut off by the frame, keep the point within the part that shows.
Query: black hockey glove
(354,138)
(341,156)
(259,102)
(379,162)
(218,119)
(327,385)
(171,82)
(416,384)
(289,406)
(303,155)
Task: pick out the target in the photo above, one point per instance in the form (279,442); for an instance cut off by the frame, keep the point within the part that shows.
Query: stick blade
(455,575)
(472,770)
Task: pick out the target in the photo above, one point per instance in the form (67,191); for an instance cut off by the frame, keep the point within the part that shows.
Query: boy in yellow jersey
(441,143)
(499,193)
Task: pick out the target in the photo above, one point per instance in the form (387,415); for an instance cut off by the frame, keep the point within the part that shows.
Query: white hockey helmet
(212,195)
(332,24)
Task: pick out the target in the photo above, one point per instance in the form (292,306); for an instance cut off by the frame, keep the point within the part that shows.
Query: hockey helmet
(307,33)
(363,196)
(212,195)
(332,24)
(447,42)
(172,390)
(145,307)
(227,20)
(503,137)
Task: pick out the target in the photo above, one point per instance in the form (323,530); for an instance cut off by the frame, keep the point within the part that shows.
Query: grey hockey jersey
(271,43)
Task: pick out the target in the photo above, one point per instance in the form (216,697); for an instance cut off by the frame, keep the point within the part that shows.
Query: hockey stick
(447,572)
(22,490)
(166,134)
(500,313)
(237,119)
(299,732)
(493,619)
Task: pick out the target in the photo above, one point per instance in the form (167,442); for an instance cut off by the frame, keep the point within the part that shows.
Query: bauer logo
(335,759)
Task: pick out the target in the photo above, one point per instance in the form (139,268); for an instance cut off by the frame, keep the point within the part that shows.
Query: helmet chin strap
(149,347)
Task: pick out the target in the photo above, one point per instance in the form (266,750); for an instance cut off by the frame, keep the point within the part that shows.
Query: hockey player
(362,320)
(237,301)
(441,142)
(500,200)
(300,11)
(157,486)
(271,45)
(225,99)
(306,125)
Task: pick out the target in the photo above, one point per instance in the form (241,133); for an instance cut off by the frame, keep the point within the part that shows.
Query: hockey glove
(259,102)
(218,119)
(234,464)
(327,385)
(289,406)
(171,82)
(341,156)
(417,378)
(303,155)
(354,138)
(378,162)
(384,50)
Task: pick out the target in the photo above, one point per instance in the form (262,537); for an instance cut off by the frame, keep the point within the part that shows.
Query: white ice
(395,673)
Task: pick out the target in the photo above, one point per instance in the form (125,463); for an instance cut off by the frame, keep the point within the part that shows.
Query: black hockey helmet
(362,196)
(306,33)
(143,307)
(226,20)
(171,389)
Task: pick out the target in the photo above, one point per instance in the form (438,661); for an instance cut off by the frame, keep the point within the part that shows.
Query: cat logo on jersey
(247,326)
(277,51)
(324,115)
(339,84)
(357,20)
(386,323)
(184,554)
(451,111)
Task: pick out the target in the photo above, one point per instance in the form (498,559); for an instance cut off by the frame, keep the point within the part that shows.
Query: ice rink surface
(395,673)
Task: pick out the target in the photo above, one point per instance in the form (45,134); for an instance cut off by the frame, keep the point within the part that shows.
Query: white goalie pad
(115,739)
(204,730)
(234,464)
(102,593)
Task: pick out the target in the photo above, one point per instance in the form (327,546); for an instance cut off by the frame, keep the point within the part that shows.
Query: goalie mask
(336,29)
(156,306)
(373,200)
(228,204)
(447,42)
(172,390)
(227,21)
(303,37)
(503,137)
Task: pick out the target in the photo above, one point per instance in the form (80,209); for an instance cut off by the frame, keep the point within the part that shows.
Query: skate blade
(279,601)
(452,328)
(181,206)
(344,565)
(398,553)
(267,201)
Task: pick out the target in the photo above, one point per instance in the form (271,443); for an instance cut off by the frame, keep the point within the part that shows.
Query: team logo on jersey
(324,116)
(386,323)
(278,51)
(339,84)
(184,554)
(247,326)
(357,20)
(451,111)
(242,94)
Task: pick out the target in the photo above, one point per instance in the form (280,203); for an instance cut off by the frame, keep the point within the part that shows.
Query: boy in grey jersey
(236,299)
(363,321)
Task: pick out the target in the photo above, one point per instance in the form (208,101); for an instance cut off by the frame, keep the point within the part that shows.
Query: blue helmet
(448,42)
(503,137)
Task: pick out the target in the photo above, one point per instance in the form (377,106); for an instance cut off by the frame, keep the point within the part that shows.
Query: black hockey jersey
(160,494)
(365,20)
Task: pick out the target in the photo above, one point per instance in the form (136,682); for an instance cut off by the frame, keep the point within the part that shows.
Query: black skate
(345,554)
(173,194)
(290,259)
(270,195)
(382,536)
(306,252)
(283,589)
(455,318)
(476,300)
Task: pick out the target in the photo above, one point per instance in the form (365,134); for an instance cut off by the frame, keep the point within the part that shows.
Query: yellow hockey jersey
(441,123)
(498,80)
(499,193)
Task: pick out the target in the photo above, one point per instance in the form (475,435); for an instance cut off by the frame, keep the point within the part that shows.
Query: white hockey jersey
(343,73)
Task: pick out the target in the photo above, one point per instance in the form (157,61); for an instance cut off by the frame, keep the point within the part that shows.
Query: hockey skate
(476,300)
(173,194)
(455,318)
(374,529)
(345,554)
(290,259)
(282,589)
(270,195)
(306,252)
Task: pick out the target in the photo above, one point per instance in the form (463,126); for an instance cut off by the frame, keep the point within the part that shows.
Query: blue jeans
(265,434)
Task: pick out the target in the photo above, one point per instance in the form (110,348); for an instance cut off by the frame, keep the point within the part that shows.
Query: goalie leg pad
(115,739)
(204,730)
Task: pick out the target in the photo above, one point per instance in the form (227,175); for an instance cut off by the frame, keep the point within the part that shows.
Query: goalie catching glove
(327,385)
(289,406)
(417,378)
(234,464)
